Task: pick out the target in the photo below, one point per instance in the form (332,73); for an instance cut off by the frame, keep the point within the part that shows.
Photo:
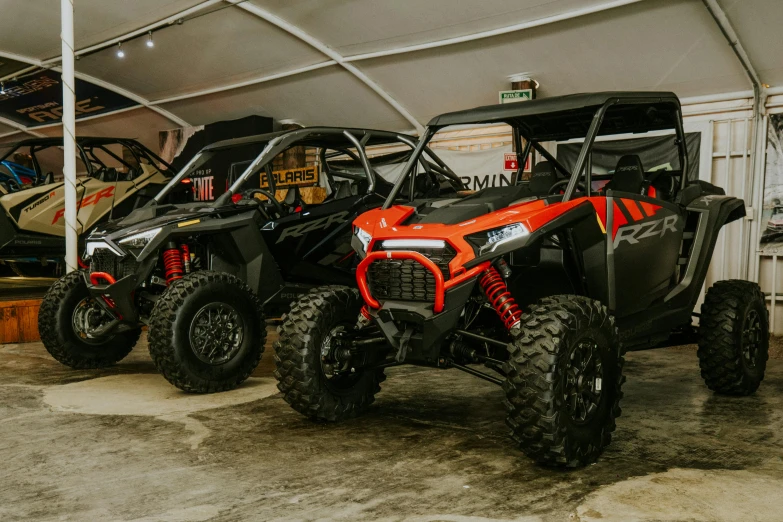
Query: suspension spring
(500,298)
(172,261)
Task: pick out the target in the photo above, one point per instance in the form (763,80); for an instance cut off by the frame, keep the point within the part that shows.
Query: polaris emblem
(656,228)
(304,228)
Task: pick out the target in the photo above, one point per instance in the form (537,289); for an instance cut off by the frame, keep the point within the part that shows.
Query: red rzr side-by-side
(544,283)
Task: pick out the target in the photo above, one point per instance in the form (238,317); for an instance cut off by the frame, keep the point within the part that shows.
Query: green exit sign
(515,96)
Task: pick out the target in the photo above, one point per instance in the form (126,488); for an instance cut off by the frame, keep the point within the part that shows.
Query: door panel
(646,239)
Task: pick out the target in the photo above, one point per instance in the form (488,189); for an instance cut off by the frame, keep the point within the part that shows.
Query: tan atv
(114,176)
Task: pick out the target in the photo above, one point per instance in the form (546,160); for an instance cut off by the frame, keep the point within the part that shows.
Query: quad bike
(116,175)
(545,283)
(204,276)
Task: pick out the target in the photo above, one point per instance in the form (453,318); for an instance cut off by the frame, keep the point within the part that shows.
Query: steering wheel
(274,204)
(559,187)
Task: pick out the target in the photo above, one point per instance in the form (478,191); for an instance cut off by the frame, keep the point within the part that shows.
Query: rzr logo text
(656,228)
(92,199)
(304,228)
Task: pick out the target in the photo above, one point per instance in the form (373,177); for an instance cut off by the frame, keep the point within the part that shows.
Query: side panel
(646,238)
(314,246)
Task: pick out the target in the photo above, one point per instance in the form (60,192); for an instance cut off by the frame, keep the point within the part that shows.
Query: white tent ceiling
(344,62)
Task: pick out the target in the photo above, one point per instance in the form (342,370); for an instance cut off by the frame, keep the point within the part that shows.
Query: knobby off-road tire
(63,342)
(207,332)
(300,375)
(733,337)
(543,386)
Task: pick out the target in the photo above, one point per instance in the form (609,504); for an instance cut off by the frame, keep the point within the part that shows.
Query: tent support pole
(69,135)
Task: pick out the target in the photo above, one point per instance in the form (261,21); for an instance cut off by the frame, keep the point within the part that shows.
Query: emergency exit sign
(515,95)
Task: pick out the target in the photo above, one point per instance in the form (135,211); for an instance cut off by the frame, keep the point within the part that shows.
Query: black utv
(203,276)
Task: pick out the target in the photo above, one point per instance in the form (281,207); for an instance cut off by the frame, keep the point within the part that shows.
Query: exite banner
(38,100)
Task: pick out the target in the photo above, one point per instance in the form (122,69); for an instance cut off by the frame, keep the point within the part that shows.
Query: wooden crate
(19,321)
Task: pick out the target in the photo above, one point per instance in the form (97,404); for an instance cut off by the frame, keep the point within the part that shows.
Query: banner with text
(38,100)
(483,168)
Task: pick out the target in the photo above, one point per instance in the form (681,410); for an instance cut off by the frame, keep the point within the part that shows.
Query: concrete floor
(122,444)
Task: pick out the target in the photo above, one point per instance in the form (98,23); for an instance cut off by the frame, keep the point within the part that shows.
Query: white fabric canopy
(352,62)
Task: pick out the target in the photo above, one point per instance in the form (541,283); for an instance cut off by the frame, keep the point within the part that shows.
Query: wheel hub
(216,333)
(583,381)
(329,364)
(751,338)
(87,317)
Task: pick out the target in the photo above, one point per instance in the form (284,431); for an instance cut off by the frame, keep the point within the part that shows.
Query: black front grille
(406,279)
(104,260)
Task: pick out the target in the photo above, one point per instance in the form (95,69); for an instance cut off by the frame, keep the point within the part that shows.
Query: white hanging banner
(483,168)
(478,169)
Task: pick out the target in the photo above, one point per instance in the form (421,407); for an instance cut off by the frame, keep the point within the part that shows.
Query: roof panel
(32,27)
(328,96)
(757,24)
(370,25)
(141,124)
(621,49)
(222,47)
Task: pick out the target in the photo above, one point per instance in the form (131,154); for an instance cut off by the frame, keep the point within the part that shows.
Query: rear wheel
(207,332)
(733,337)
(564,381)
(312,380)
(67,320)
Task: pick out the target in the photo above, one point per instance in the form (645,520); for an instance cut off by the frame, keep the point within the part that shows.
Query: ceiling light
(120,52)
(150,43)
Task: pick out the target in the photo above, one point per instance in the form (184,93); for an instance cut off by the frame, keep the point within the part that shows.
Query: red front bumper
(440,285)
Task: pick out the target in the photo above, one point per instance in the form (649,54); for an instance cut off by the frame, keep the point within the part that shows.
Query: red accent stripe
(618,219)
(649,208)
(630,205)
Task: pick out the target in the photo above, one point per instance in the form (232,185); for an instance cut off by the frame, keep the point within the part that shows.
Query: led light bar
(413,243)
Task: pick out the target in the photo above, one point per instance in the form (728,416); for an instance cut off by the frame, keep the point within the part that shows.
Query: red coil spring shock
(500,298)
(172,261)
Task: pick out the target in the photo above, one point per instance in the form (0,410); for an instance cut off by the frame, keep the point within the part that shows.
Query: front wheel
(564,381)
(207,332)
(67,320)
(733,337)
(311,379)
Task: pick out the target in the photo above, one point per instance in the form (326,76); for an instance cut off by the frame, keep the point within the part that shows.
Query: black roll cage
(531,142)
(38,144)
(275,143)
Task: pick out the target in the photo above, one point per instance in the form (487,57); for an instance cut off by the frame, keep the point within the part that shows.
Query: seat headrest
(542,178)
(629,174)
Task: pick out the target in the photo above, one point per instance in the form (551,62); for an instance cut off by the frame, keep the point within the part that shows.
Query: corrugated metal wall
(729,143)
